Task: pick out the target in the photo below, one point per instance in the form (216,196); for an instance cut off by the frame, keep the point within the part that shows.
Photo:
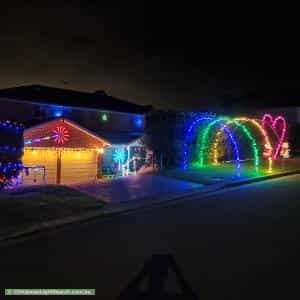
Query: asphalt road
(238,244)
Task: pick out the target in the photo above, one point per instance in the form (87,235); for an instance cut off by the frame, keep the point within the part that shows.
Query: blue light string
(8,167)
(10,125)
(7,148)
(235,147)
(188,135)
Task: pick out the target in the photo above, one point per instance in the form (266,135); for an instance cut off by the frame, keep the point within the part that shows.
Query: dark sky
(172,56)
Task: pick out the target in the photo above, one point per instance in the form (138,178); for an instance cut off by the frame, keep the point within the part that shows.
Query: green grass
(211,174)
(30,205)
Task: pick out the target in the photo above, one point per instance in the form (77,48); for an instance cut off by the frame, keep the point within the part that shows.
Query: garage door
(39,157)
(78,166)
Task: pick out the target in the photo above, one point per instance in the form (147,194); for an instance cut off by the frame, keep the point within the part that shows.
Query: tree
(165,133)
(159,136)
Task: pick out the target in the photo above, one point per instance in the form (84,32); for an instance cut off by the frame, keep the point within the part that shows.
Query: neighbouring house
(256,106)
(73,136)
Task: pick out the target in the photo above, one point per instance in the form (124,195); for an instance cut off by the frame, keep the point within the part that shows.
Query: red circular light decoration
(61,135)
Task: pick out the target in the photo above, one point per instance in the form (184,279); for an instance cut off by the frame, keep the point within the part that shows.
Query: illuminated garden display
(208,139)
(123,159)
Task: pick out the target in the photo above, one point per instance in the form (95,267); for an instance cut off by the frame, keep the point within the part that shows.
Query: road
(237,244)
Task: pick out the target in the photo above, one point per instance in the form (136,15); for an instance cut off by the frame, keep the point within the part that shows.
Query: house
(67,153)
(67,133)
(256,106)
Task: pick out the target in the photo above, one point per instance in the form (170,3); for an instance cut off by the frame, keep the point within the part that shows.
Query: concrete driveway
(135,187)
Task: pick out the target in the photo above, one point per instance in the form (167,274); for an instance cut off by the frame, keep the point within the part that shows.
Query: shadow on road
(155,273)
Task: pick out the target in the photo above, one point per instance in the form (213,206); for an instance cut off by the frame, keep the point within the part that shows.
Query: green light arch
(245,130)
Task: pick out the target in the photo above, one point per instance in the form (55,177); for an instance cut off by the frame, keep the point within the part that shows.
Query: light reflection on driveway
(134,187)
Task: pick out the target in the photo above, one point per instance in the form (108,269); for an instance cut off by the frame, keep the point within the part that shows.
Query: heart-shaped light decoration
(280,131)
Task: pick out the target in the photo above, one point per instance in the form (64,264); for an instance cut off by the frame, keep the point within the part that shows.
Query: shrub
(11,151)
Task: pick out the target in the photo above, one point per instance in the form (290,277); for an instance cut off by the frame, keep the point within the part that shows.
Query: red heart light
(279,131)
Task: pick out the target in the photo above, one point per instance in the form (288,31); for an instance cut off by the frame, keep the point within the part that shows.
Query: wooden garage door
(39,157)
(78,166)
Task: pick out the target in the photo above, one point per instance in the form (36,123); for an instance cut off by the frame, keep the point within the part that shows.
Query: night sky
(167,56)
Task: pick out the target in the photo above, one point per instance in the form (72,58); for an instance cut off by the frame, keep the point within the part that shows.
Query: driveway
(134,187)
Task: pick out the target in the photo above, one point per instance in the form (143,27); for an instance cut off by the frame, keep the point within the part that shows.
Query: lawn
(224,173)
(27,206)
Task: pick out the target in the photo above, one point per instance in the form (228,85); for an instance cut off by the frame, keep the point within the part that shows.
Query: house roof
(262,101)
(49,95)
(71,135)
(120,138)
(86,137)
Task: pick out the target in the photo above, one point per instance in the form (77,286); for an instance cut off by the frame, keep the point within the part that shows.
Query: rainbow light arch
(188,137)
(260,129)
(247,133)
(271,149)
(234,143)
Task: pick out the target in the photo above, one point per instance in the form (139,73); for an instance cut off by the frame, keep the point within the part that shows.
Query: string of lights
(38,140)
(234,143)
(60,136)
(202,126)
(11,150)
(267,144)
(7,148)
(188,135)
(8,167)
(204,143)
(268,119)
(11,125)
